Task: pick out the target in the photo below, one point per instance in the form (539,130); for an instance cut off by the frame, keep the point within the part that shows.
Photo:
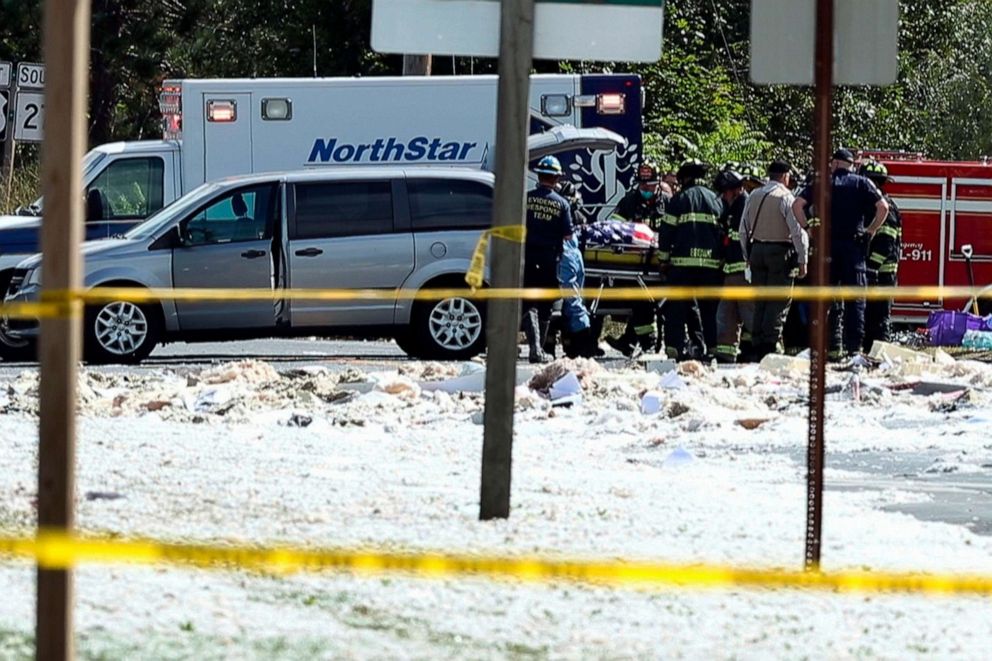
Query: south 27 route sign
(29,116)
(623,30)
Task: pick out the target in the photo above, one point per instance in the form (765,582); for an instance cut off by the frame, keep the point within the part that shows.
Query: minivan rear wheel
(452,328)
(120,332)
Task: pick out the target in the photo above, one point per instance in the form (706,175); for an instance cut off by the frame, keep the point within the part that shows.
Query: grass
(23,189)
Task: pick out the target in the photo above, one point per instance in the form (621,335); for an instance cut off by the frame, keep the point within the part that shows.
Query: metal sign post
(6,137)
(66,48)
(822,116)
(824,43)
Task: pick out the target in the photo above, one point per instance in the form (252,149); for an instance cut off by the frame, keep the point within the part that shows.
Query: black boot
(582,344)
(572,342)
(551,336)
(547,341)
(533,333)
(621,344)
(647,342)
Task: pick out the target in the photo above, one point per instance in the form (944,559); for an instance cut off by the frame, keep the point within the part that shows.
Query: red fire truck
(947,226)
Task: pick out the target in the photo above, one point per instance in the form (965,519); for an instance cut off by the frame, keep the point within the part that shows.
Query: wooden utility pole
(822,119)
(416,65)
(67,52)
(515,55)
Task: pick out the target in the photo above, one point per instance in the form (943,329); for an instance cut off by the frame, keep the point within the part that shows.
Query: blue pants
(572,276)
(847,318)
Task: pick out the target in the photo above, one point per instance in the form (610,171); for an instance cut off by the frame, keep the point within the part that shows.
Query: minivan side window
(345,208)
(246,214)
(443,204)
(128,189)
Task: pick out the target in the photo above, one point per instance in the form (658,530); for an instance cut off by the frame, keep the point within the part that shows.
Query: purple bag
(946,328)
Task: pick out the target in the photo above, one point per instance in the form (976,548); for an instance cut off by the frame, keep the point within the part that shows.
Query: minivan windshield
(155,224)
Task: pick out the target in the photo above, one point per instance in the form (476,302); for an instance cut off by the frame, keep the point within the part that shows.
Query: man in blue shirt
(549,224)
(857,211)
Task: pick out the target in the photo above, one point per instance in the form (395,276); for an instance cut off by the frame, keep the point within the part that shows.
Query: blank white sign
(866,42)
(562,30)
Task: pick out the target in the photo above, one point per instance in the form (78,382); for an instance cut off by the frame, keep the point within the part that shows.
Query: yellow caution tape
(48,308)
(58,550)
(37,310)
(474,276)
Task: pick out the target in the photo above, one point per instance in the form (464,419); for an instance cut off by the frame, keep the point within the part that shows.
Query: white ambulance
(218,128)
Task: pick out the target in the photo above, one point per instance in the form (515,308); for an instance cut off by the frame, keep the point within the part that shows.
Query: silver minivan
(358,228)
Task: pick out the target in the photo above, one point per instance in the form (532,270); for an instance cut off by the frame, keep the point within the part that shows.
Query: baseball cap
(844,155)
(781,167)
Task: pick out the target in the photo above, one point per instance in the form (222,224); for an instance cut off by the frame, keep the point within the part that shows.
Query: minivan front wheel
(120,332)
(15,349)
(447,329)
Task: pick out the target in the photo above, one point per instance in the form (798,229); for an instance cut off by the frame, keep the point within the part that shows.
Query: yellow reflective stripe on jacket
(664,256)
(707,218)
(876,257)
(891,267)
(696,261)
(734,235)
(669,219)
(734,267)
(888,230)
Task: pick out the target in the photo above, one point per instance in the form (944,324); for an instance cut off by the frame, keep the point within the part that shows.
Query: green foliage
(700,102)
(23,188)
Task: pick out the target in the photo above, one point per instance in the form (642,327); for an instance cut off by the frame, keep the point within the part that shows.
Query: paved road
(280,352)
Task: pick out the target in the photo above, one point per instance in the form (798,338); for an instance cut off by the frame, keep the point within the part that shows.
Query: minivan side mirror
(168,241)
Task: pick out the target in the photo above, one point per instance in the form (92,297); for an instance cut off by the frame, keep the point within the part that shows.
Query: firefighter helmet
(647,173)
(728,180)
(691,169)
(750,172)
(876,172)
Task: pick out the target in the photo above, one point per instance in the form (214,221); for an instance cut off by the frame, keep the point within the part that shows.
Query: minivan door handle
(253,254)
(309,252)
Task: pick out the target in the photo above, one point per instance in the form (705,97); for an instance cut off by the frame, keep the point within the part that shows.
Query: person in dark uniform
(857,212)
(732,315)
(549,224)
(643,204)
(691,241)
(883,259)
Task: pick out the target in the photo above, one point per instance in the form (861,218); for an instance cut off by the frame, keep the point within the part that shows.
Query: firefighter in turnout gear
(549,224)
(883,260)
(732,315)
(691,240)
(643,204)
